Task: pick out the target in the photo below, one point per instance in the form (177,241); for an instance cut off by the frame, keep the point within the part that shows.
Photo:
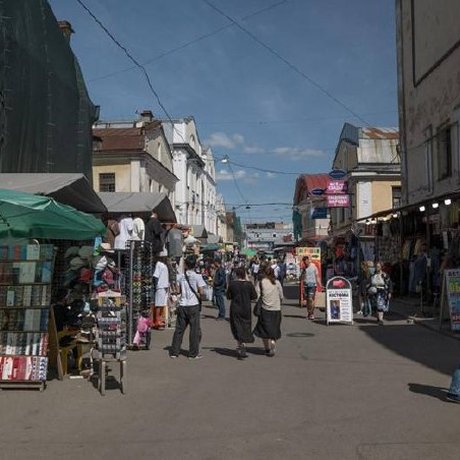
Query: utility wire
(236,183)
(130,57)
(288,63)
(135,61)
(186,44)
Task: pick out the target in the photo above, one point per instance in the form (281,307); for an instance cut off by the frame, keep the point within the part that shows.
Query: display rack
(111,336)
(26,273)
(138,282)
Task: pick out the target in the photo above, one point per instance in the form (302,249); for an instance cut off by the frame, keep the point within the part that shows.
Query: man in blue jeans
(191,286)
(219,286)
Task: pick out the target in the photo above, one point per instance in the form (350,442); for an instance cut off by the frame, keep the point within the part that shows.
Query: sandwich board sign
(339,304)
(451,295)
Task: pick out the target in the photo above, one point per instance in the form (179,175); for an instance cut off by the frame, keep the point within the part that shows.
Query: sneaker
(173,356)
(220,318)
(359,312)
(195,357)
(453,398)
(311,317)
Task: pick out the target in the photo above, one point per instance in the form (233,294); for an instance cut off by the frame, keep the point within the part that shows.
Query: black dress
(241,293)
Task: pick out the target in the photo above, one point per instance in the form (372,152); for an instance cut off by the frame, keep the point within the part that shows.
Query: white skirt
(161,297)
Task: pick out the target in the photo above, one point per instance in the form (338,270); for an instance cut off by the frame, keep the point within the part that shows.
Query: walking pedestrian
(310,280)
(268,326)
(241,292)
(191,287)
(219,286)
(161,282)
(367,270)
(154,233)
(379,292)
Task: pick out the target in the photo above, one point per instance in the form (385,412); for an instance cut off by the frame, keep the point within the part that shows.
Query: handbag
(258,305)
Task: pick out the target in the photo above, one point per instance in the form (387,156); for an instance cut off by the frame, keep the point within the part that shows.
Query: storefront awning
(199,231)
(71,189)
(139,202)
(454,194)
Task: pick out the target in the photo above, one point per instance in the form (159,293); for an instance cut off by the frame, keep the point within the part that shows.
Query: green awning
(23,215)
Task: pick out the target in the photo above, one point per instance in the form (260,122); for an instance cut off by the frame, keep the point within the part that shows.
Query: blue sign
(337,174)
(317,191)
(319,213)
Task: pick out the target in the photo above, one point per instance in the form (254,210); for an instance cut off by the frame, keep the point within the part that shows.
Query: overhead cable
(288,63)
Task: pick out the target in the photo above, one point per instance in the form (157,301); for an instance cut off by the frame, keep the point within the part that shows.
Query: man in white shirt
(126,232)
(161,279)
(191,287)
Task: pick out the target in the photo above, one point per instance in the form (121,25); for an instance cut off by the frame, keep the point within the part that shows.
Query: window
(396,197)
(444,159)
(429,157)
(107,182)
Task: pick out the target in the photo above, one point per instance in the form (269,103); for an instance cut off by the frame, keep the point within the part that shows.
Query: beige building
(428,40)
(371,160)
(133,157)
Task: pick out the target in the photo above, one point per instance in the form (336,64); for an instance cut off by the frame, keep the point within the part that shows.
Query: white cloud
(220,139)
(297,153)
(223,174)
(252,149)
(271,175)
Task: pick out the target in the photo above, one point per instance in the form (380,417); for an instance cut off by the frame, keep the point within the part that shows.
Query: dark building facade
(45,111)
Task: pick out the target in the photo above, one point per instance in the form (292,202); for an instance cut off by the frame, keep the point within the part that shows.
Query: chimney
(146,115)
(66,29)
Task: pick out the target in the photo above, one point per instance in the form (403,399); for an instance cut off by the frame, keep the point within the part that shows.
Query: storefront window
(396,197)
(444,159)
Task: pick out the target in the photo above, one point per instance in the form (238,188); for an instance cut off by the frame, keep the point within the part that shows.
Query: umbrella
(24,215)
(248,252)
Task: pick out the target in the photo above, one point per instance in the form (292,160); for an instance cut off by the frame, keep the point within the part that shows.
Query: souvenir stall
(127,213)
(32,231)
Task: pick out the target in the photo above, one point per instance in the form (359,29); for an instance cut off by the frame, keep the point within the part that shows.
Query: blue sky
(248,104)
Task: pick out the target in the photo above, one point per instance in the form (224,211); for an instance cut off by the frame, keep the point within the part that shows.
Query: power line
(129,55)
(271,171)
(186,44)
(288,63)
(296,121)
(132,59)
(236,183)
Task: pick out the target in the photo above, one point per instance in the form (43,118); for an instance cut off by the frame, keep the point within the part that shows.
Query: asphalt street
(331,392)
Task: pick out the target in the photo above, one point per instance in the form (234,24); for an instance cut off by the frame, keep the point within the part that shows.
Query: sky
(272,94)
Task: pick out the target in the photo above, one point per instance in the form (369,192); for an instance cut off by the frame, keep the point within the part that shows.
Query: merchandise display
(25,296)
(139,287)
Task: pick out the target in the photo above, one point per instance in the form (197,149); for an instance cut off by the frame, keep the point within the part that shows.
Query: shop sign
(317,191)
(338,201)
(319,213)
(336,187)
(337,174)
(452,287)
(339,305)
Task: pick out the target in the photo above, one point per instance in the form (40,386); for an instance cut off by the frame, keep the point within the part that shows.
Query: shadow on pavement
(428,390)
(224,351)
(295,316)
(300,334)
(417,344)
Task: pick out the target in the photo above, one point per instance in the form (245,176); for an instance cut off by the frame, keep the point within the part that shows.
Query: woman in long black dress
(241,292)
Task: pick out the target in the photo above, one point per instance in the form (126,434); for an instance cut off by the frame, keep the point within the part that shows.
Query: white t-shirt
(276,270)
(188,298)
(126,230)
(138,229)
(161,273)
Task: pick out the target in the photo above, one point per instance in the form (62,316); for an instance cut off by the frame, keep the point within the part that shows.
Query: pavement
(331,392)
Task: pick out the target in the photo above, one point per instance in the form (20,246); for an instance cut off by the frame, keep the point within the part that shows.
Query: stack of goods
(139,291)
(111,329)
(89,270)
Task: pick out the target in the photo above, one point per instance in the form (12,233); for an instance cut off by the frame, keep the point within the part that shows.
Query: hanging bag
(258,305)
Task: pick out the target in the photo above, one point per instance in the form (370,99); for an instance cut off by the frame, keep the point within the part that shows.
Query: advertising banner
(338,201)
(339,304)
(453,297)
(337,187)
